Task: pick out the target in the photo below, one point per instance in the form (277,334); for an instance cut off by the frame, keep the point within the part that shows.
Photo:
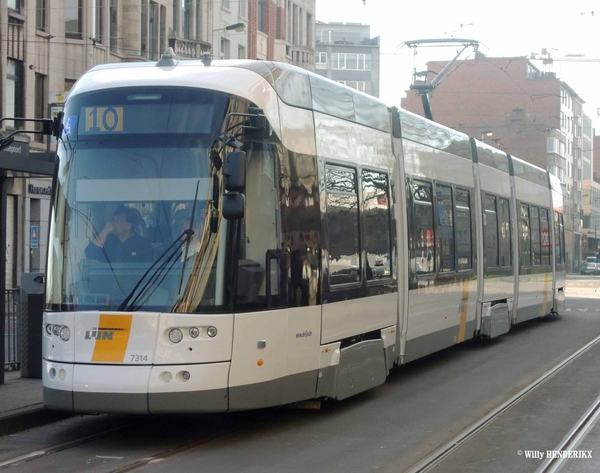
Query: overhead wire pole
(425,89)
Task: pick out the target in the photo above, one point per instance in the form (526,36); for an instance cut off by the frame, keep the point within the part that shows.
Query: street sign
(33,237)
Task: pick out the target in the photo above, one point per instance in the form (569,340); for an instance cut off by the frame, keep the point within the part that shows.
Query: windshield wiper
(182,239)
(187,247)
(174,249)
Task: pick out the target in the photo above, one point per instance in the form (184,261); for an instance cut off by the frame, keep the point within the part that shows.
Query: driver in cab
(119,242)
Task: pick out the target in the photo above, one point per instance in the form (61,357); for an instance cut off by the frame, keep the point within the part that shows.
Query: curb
(28,418)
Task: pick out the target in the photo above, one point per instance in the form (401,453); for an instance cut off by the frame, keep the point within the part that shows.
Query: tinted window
(524,235)
(545,236)
(376,218)
(464,257)
(504,232)
(342,222)
(445,231)
(423,237)
(490,231)
(535,236)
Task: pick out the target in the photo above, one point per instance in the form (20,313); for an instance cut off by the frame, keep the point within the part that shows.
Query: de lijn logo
(102,333)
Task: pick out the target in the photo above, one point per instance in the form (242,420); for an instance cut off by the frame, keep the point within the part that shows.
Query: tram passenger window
(524,234)
(535,236)
(559,238)
(504,232)
(342,226)
(545,236)
(563,258)
(462,212)
(490,231)
(445,231)
(376,208)
(424,238)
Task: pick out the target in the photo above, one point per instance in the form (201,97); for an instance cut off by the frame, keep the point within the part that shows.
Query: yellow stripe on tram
(463,313)
(546,279)
(113,337)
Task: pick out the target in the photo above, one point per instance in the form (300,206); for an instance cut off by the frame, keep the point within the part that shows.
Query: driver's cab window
(261,224)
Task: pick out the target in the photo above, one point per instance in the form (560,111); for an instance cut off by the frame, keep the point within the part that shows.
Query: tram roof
(295,86)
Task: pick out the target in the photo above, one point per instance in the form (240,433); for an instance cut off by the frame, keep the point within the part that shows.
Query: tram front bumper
(137,389)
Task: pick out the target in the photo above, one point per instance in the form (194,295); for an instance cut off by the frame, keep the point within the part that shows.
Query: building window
(13,100)
(114,35)
(98,21)
(356,85)
(151,30)
(226,4)
(241,52)
(225,52)
(69,83)
(74,19)
(198,19)
(176,20)
(186,10)
(40,15)
(243,8)
(321,58)
(260,16)
(351,61)
(14,5)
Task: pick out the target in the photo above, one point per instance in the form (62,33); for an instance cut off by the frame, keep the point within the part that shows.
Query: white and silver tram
(305,239)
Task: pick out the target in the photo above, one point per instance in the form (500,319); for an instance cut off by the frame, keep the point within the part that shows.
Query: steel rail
(67,445)
(460,439)
(573,438)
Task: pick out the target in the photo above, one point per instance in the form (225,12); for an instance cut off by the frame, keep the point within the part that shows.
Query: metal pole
(3,194)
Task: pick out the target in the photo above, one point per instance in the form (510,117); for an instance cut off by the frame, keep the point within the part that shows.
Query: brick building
(511,104)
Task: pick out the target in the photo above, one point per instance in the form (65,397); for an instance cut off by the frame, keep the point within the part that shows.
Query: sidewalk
(21,405)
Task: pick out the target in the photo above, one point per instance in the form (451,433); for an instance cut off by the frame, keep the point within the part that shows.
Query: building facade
(512,105)
(48,44)
(346,53)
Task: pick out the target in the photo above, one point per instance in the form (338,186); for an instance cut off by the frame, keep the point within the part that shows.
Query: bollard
(31,321)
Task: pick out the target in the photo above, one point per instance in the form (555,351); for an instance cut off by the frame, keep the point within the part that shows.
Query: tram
(235,235)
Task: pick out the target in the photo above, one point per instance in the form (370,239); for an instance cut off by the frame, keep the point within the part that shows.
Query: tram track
(572,439)
(36,454)
(227,428)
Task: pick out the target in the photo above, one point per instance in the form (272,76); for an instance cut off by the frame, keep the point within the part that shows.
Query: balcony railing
(189,48)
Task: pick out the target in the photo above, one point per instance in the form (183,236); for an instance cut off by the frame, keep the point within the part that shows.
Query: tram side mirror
(233,205)
(258,126)
(234,171)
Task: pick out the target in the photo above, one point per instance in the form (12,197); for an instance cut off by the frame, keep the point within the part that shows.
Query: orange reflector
(259,362)
(326,350)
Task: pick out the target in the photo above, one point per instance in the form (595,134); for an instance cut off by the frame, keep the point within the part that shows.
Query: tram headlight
(175,335)
(194,332)
(65,334)
(48,329)
(56,330)
(211,331)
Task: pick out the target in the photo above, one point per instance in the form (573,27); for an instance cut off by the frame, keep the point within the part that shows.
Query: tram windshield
(134,181)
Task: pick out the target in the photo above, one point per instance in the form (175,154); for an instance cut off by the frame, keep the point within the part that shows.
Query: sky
(505,28)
